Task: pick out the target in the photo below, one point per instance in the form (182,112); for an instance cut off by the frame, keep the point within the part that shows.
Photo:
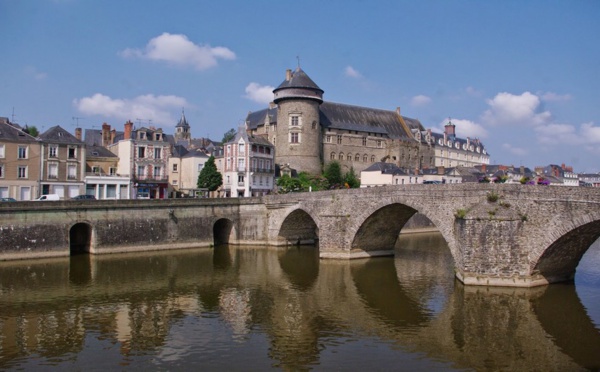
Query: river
(248,308)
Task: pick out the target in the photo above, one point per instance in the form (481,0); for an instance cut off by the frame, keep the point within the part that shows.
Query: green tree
(288,184)
(351,180)
(210,178)
(333,173)
(228,136)
(32,131)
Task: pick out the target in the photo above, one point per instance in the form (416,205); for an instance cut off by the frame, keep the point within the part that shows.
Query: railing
(261,170)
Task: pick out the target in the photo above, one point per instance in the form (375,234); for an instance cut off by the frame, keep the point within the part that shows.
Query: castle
(309,132)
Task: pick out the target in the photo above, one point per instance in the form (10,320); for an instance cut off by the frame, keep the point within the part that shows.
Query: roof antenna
(298,58)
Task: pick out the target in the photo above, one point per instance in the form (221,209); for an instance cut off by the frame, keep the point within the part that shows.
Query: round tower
(298,132)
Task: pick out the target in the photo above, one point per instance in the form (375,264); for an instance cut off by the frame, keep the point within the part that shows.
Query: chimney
(271,105)
(78,133)
(483,168)
(113,134)
(450,130)
(522,169)
(128,127)
(105,134)
(398,110)
(288,75)
(440,170)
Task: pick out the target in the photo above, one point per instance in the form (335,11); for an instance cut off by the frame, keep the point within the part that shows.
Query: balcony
(261,170)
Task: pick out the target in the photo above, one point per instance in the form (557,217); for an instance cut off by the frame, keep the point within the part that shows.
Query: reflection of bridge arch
(223,231)
(80,238)
(558,261)
(299,227)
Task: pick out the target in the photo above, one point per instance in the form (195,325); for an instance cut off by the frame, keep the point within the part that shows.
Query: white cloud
(177,49)
(553,134)
(33,72)
(146,107)
(473,92)
(259,93)
(420,100)
(510,109)
(466,128)
(351,72)
(550,96)
(514,150)
(590,133)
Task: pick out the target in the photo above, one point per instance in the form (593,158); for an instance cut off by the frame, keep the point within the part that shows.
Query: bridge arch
(558,261)
(298,227)
(80,238)
(223,231)
(381,223)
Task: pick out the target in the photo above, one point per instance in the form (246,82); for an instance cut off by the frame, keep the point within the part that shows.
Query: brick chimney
(113,134)
(105,134)
(128,129)
(78,133)
(450,130)
(288,75)
(440,170)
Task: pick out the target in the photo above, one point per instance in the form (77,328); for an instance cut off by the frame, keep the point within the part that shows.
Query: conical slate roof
(182,122)
(298,79)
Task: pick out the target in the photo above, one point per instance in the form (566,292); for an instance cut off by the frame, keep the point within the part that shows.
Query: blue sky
(523,76)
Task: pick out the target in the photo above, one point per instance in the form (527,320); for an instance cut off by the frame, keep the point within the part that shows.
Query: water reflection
(253,308)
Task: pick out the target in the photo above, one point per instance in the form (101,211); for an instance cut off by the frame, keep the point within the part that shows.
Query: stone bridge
(498,235)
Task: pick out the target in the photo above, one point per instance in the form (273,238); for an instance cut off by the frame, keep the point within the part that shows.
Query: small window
(22,171)
(141,152)
(294,137)
(332,157)
(113,171)
(364,141)
(72,172)
(294,121)
(349,157)
(357,157)
(379,144)
(341,156)
(157,171)
(72,153)
(372,158)
(1,170)
(328,139)
(365,158)
(339,139)
(1,151)
(22,152)
(96,170)
(158,153)
(53,151)
(174,167)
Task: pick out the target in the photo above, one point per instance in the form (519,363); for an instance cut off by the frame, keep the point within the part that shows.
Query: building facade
(62,168)
(20,162)
(248,166)
(452,151)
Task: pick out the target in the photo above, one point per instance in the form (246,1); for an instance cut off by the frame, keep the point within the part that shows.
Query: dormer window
(142,135)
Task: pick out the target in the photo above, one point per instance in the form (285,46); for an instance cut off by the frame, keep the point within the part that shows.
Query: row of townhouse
(31,166)
(108,164)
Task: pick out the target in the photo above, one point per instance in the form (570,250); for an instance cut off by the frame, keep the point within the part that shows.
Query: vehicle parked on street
(8,199)
(49,197)
(84,197)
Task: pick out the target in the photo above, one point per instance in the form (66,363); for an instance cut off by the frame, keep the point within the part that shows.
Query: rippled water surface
(244,308)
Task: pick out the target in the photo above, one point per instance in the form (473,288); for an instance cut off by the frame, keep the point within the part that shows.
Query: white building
(248,166)
(184,168)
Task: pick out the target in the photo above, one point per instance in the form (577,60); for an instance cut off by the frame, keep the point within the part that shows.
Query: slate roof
(98,152)
(196,153)
(462,142)
(14,133)
(298,79)
(57,134)
(384,168)
(349,117)
(179,151)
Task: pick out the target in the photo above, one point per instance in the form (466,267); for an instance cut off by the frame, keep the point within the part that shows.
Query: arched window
(372,158)
(365,158)
(341,156)
(357,157)
(332,157)
(349,157)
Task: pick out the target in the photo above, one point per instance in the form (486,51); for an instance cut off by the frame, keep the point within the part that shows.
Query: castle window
(294,121)
(372,158)
(379,143)
(314,125)
(294,137)
(365,158)
(332,156)
(349,157)
(339,139)
(364,141)
(357,157)
(341,156)
(328,138)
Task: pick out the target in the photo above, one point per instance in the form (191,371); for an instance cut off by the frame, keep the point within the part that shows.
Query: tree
(210,178)
(351,180)
(333,173)
(32,131)
(228,136)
